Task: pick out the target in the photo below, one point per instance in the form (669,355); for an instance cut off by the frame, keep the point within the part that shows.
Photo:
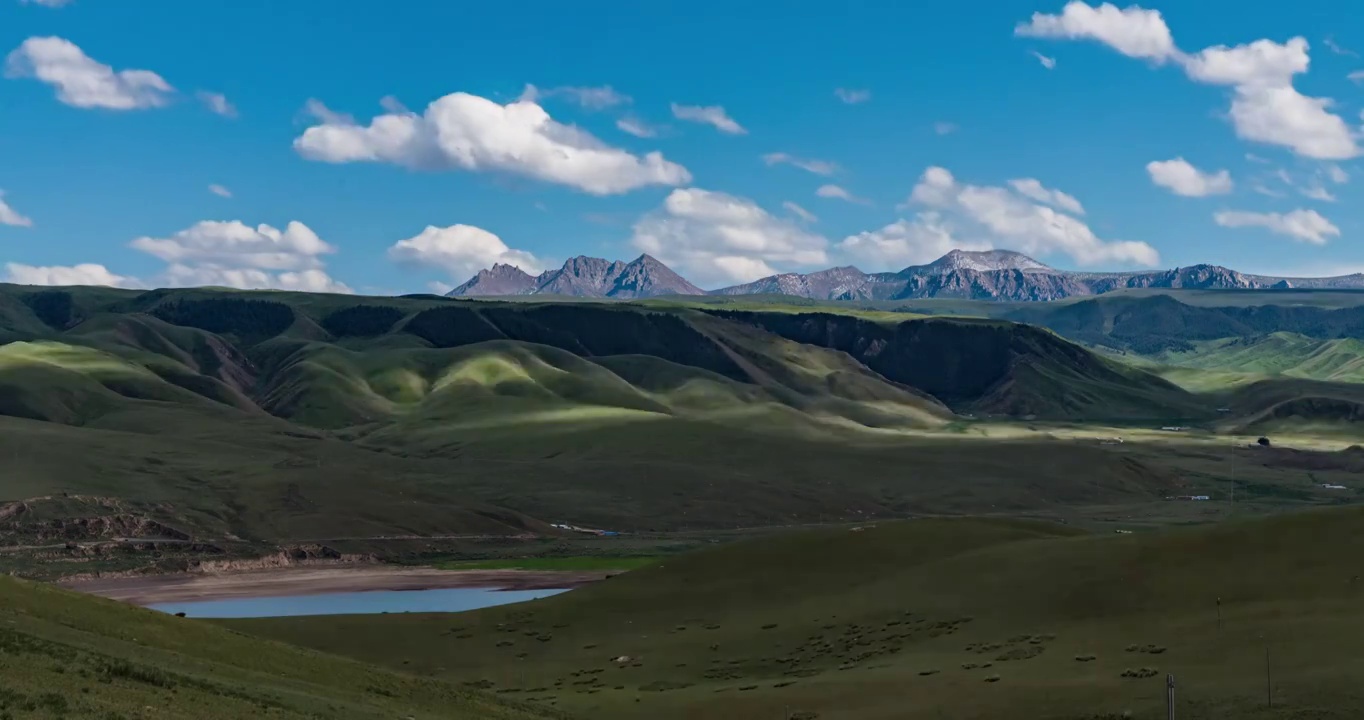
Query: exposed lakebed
(331,591)
(355,603)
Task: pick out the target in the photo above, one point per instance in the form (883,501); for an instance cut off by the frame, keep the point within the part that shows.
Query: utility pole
(1170,697)
(1269,680)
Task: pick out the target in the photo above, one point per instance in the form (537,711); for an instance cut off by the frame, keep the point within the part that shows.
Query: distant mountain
(975,275)
(582,277)
(1012,276)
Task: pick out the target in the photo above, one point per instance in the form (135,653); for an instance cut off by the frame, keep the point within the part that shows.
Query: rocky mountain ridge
(976,275)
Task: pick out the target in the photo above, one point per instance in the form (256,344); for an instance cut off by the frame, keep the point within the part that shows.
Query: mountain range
(976,275)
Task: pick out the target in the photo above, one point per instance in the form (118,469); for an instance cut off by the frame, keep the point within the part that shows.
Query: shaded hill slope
(988,366)
(971,618)
(72,655)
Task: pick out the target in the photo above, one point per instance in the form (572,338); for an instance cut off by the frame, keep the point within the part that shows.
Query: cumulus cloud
(852,97)
(944,128)
(1337,174)
(592,98)
(1356,76)
(712,237)
(1006,217)
(1132,31)
(1265,106)
(252,279)
(837,192)
(1047,62)
(1303,225)
(714,115)
(921,240)
(1033,189)
(234,254)
(466,132)
(220,191)
(818,167)
(800,212)
(10,216)
(46,3)
(637,127)
(1182,178)
(217,103)
(83,274)
(461,251)
(82,82)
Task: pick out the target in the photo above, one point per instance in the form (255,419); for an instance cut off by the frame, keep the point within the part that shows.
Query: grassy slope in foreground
(63,654)
(914,619)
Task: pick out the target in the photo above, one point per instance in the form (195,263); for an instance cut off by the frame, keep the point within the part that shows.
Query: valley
(168,440)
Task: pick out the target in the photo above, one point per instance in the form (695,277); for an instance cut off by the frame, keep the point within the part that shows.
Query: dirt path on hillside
(151,589)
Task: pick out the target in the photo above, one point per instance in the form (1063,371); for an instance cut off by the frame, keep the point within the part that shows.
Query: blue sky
(876,134)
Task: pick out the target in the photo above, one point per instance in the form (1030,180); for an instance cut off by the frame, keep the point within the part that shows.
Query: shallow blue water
(354,603)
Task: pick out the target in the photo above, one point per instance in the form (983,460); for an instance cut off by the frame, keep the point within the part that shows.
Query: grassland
(956,618)
(157,430)
(66,655)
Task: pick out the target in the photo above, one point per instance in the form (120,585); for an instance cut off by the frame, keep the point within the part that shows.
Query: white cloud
(1317,192)
(81,81)
(592,98)
(83,274)
(10,216)
(1182,178)
(637,127)
(1047,62)
(710,115)
(1303,225)
(712,237)
(800,212)
(467,132)
(1356,76)
(461,251)
(944,128)
(217,103)
(1033,189)
(1132,31)
(393,105)
(905,242)
(46,3)
(439,287)
(1337,174)
(1268,192)
(235,244)
(1256,158)
(818,167)
(836,192)
(252,279)
(1006,218)
(852,97)
(220,191)
(233,254)
(1337,49)
(1265,106)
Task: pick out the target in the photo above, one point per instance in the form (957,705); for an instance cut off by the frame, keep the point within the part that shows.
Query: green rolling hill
(251,422)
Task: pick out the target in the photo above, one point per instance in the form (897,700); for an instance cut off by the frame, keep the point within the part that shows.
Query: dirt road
(153,589)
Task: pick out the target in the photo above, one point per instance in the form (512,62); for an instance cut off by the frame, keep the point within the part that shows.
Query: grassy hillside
(66,655)
(968,618)
(203,423)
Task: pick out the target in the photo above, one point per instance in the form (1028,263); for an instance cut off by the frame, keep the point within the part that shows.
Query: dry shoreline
(277,582)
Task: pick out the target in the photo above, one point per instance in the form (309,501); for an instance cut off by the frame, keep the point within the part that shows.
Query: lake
(354,603)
